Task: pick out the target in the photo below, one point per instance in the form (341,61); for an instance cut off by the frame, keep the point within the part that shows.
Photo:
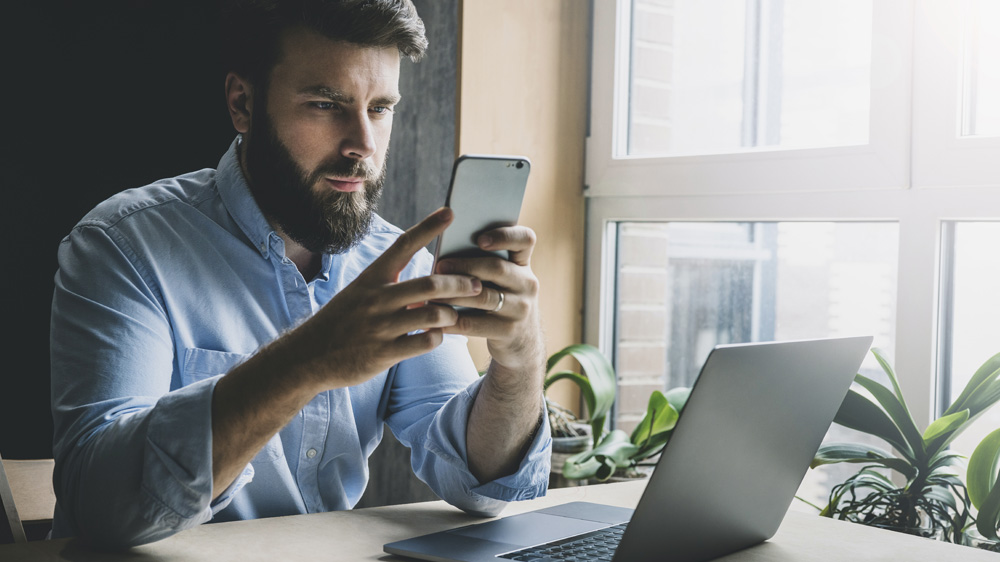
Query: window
(970,307)
(778,169)
(770,73)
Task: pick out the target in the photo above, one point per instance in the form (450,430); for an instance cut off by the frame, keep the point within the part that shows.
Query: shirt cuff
(177,464)
(446,440)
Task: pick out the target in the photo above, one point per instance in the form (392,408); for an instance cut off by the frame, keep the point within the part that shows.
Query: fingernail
(477,285)
(486,240)
(444,214)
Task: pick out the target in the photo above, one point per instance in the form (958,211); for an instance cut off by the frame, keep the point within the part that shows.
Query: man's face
(315,153)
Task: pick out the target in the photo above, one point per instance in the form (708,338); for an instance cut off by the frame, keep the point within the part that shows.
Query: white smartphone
(486,192)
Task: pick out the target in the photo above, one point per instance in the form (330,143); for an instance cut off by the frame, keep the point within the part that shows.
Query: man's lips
(346,185)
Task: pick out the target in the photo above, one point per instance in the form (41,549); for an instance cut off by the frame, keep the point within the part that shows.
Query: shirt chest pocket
(200,364)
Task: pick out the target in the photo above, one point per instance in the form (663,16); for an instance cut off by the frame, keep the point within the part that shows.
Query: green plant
(933,495)
(619,450)
(983,480)
(598,385)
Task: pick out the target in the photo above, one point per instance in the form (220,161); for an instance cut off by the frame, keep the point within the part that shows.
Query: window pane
(716,76)
(684,287)
(975,308)
(981,68)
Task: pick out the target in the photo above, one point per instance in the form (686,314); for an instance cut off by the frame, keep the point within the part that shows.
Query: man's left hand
(512,331)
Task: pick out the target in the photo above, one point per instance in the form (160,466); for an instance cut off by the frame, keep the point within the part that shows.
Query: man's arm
(508,409)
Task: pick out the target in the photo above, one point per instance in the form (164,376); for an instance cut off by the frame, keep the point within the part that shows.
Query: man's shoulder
(164,196)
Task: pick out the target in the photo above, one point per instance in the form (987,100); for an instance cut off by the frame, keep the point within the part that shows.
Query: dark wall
(98,97)
(103,96)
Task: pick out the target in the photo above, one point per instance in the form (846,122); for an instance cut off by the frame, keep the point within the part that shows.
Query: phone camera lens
(520,165)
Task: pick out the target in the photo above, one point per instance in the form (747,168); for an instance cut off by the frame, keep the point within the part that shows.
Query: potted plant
(983,481)
(619,452)
(933,500)
(598,385)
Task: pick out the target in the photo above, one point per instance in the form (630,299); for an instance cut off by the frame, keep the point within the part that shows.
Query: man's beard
(326,222)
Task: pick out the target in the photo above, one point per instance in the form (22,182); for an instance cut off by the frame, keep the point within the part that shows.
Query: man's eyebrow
(340,97)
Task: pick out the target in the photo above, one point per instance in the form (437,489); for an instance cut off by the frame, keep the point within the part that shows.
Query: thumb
(387,267)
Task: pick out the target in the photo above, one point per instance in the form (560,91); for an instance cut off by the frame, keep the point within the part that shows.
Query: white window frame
(905,175)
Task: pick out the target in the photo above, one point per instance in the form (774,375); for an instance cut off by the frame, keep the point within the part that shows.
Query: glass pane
(975,308)
(981,68)
(718,76)
(684,287)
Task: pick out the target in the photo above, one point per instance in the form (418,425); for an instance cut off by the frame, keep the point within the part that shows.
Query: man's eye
(381,109)
(324,105)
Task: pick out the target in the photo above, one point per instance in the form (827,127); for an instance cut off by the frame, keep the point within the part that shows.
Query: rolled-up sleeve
(432,398)
(133,459)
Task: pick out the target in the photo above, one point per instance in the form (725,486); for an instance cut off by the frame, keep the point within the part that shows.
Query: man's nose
(359,139)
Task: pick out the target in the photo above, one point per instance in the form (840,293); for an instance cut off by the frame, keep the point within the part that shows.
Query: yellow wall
(523,90)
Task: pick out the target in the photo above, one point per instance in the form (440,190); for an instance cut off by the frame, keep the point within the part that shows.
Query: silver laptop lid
(752,424)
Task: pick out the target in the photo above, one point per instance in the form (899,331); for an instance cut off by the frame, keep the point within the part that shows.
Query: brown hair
(252,29)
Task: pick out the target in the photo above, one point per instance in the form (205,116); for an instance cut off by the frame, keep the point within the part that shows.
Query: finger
(498,271)
(412,345)
(490,326)
(489,300)
(426,317)
(429,288)
(519,241)
(387,267)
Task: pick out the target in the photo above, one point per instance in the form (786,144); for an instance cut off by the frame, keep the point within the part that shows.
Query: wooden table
(360,534)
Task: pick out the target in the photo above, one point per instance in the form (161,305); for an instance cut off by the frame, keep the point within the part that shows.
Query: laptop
(752,424)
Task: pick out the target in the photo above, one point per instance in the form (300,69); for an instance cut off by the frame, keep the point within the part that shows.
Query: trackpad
(529,529)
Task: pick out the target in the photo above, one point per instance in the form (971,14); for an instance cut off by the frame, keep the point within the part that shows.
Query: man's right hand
(372,324)
(377,321)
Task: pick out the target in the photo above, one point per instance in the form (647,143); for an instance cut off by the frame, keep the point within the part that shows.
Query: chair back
(27,498)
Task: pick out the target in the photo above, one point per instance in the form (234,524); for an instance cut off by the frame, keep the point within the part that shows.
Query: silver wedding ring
(499,304)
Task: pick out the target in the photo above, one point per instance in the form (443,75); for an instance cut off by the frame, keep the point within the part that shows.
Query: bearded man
(227,344)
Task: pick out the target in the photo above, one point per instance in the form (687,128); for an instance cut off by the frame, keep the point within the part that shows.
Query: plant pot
(935,533)
(574,444)
(974,539)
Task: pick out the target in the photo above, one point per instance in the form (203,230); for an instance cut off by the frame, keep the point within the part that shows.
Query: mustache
(346,168)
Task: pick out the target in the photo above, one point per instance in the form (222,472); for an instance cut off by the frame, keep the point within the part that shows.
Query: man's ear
(239,100)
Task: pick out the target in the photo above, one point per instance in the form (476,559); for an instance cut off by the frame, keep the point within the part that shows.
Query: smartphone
(486,192)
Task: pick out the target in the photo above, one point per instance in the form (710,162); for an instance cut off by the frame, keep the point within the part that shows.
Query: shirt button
(311,453)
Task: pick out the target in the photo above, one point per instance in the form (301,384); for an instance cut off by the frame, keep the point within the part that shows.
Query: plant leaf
(833,453)
(988,520)
(613,451)
(580,469)
(984,397)
(616,446)
(860,413)
(586,390)
(941,430)
(600,379)
(678,397)
(897,411)
(989,371)
(887,367)
(983,474)
(660,418)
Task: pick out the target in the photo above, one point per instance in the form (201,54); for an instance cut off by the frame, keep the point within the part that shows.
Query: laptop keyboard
(596,545)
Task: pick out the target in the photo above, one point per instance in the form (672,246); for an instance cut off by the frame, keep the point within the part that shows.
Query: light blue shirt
(163,289)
